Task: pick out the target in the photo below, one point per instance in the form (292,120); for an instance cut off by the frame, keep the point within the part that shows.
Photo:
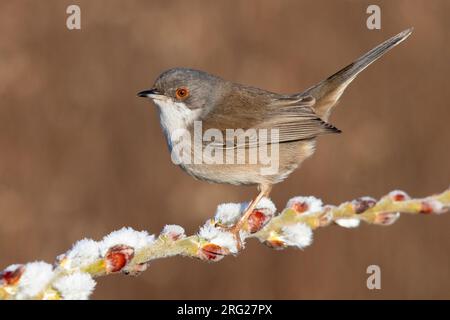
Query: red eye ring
(182,93)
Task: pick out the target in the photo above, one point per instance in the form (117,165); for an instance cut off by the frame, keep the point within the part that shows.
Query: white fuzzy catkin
(77,286)
(229,213)
(83,253)
(126,236)
(36,277)
(218,237)
(173,230)
(348,222)
(267,204)
(314,204)
(12,267)
(298,235)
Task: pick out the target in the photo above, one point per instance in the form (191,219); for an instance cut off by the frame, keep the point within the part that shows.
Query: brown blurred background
(81,156)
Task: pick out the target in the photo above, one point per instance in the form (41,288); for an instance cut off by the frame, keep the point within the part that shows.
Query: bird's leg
(235,230)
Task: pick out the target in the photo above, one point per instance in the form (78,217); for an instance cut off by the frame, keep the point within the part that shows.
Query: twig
(130,252)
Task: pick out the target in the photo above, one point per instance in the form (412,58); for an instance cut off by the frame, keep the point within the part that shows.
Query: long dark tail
(328,92)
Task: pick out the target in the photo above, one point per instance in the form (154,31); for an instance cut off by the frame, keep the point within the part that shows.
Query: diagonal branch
(130,252)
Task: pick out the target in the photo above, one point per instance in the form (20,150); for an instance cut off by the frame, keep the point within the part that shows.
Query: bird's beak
(151,93)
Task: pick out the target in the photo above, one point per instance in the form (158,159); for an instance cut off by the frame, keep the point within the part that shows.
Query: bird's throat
(175,117)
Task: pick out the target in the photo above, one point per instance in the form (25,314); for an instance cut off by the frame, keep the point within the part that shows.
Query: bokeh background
(81,156)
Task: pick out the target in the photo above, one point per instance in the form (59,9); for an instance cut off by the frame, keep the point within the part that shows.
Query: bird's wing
(295,119)
(252,110)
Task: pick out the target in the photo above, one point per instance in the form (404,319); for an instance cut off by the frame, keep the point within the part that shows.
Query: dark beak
(149,93)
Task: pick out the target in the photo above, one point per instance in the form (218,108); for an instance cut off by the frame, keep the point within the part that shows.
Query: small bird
(186,96)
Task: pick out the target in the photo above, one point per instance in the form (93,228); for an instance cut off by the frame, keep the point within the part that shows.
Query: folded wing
(251,110)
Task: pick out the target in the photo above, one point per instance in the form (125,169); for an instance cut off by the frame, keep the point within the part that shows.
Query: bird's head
(189,88)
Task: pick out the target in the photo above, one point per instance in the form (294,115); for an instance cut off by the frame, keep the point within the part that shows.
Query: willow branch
(130,252)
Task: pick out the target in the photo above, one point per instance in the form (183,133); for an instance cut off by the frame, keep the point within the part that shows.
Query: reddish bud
(363,204)
(118,257)
(325,218)
(386,218)
(399,196)
(426,208)
(300,207)
(136,269)
(173,232)
(212,252)
(11,277)
(275,244)
(174,236)
(256,221)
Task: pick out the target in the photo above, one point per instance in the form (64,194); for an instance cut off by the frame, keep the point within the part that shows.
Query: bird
(187,98)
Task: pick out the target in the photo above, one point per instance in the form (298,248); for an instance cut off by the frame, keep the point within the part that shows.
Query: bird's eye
(182,93)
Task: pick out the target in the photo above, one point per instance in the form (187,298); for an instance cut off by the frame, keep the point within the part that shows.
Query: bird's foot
(235,230)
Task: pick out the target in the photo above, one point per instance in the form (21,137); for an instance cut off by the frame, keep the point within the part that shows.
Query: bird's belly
(286,161)
(229,174)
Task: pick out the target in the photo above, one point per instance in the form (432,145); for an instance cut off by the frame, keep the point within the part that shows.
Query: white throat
(175,115)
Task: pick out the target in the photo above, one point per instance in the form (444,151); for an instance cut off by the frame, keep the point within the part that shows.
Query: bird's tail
(328,92)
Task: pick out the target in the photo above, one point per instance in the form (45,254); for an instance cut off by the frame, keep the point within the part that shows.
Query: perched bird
(186,96)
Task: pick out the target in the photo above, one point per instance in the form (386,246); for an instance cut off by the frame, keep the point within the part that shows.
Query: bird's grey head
(183,96)
(188,87)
